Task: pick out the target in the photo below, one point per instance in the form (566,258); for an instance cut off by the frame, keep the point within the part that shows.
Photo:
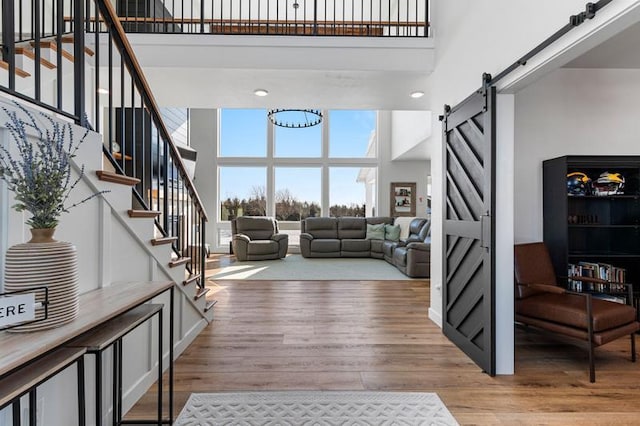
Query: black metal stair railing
(95,80)
(46,37)
(369,18)
(138,143)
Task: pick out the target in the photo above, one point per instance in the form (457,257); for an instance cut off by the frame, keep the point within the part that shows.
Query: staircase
(150,225)
(141,222)
(140,164)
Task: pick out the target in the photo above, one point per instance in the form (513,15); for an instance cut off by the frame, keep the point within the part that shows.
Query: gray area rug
(315,408)
(296,267)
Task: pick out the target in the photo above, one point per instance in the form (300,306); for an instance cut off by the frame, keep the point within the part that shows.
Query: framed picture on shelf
(403,199)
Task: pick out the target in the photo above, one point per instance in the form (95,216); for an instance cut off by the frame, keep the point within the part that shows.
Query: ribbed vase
(45,262)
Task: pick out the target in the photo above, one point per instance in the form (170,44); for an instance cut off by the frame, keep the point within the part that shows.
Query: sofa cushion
(392,232)
(255,227)
(352,227)
(564,309)
(387,249)
(377,249)
(262,247)
(322,227)
(355,245)
(375,232)
(325,245)
(400,256)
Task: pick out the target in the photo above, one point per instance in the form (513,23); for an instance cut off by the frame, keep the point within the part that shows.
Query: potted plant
(40,173)
(37,168)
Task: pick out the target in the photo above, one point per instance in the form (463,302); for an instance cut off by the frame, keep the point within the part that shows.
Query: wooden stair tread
(19,72)
(179,261)
(112,177)
(210,305)
(69,40)
(32,55)
(50,44)
(201,292)
(144,213)
(163,240)
(191,279)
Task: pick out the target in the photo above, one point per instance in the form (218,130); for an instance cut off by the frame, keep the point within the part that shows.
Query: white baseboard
(435,317)
(135,392)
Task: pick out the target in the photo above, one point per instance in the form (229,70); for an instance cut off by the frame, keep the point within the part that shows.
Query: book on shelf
(610,297)
(612,277)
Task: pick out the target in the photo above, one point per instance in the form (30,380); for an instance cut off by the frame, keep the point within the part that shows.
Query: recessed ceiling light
(417,94)
(260,92)
(103,91)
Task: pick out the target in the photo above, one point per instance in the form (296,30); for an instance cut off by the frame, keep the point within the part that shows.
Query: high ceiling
(326,72)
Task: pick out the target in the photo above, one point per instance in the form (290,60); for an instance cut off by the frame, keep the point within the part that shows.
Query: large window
(298,193)
(242,192)
(347,194)
(299,142)
(352,134)
(291,174)
(243,133)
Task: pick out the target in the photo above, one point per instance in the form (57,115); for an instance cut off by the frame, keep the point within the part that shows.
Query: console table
(97,307)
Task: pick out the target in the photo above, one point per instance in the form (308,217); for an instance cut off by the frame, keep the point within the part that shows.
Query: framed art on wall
(403,199)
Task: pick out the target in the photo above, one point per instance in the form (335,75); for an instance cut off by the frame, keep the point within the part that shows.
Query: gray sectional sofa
(347,237)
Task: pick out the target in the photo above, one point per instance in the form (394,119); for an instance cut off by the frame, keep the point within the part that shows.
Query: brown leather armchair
(541,303)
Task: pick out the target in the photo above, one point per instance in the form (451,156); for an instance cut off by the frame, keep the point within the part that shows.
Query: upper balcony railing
(369,18)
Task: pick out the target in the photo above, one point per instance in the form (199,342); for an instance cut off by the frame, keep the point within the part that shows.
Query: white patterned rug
(315,408)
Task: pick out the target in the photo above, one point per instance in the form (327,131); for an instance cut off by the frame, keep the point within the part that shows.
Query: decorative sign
(17,309)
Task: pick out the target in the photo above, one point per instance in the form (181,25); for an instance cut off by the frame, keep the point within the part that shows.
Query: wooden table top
(96,307)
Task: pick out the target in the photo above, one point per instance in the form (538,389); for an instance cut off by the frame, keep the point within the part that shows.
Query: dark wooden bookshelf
(593,228)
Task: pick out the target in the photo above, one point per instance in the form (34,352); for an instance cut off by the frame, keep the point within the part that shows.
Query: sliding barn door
(468,240)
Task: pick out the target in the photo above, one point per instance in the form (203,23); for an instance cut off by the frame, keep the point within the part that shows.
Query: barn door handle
(485,231)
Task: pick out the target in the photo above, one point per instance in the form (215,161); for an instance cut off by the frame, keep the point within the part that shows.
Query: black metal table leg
(160,337)
(82,419)
(114,389)
(171,292)
(98,356)
(15,412)
(33,407)
(119,382)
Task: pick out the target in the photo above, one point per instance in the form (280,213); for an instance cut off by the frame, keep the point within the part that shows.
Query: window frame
(271,162)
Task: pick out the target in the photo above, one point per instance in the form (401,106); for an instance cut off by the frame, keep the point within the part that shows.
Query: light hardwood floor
(337,335)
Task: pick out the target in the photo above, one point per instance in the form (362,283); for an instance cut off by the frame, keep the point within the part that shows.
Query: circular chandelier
(295,118)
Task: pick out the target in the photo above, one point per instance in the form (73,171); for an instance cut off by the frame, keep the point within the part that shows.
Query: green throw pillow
(375,232)
(392,232)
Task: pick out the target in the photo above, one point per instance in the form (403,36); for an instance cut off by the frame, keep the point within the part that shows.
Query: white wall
(409,129)
(570,112)
(390,129)
(204,129)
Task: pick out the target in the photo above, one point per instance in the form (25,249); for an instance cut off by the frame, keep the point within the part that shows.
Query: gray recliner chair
(414,258)
(415,230)
(257,238)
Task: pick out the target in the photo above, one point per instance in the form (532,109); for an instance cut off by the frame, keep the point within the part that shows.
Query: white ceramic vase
(45,262)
